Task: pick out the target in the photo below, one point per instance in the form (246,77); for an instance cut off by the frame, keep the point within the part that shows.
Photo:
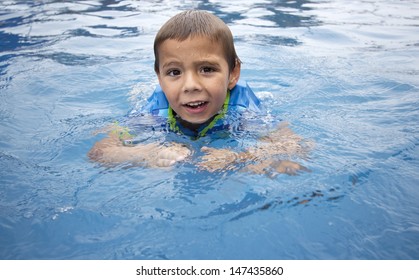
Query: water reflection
(277,13)
(28,23)
(66,68)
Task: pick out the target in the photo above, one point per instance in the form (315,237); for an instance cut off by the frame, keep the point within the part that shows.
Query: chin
(197,122)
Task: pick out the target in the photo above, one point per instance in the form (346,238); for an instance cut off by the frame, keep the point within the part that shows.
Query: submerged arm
(271,155)
(111,151)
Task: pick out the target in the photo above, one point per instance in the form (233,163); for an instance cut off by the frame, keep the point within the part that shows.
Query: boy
(198,72)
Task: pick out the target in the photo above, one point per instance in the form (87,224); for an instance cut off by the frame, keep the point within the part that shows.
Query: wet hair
(194,23)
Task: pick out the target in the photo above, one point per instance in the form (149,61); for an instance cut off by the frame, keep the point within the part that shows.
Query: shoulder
(157,103)
(242,96)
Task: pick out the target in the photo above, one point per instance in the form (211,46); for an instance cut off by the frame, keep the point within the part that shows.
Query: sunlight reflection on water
(343,74)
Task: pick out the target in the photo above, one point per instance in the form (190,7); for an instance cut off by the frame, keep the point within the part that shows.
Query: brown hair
(197,23)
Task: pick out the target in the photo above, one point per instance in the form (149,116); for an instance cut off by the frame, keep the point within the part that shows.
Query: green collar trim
(174,126)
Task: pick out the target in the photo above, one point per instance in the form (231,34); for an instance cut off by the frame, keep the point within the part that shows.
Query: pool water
(343,74)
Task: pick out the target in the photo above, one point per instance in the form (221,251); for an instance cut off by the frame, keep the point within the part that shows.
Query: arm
(269,156)
(111,151)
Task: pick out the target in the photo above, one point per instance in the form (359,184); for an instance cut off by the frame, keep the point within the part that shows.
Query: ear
(158,77)
(234,76)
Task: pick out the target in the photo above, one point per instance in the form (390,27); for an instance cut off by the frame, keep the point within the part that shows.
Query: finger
(178,157)
(165,162)
(172,155)
(303,168)
(206,149)
(182,151)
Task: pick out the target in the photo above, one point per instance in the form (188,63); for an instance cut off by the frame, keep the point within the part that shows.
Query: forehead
(198,46)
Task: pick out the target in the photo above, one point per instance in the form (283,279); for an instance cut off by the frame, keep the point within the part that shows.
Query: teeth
(196,104)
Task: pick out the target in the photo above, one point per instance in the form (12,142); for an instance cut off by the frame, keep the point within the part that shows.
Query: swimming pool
(344,75)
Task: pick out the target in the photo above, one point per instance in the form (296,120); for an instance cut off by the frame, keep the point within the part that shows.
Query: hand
(218,159)
(282,141)
(110,151)
(273,168)
(289,167)
(166,156)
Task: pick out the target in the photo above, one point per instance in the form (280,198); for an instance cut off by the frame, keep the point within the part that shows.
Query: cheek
(219,94)
(221,89)
(170,95)
(218,84)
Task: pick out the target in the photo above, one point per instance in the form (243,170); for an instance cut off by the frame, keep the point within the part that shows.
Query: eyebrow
(212,63)
(171,63)
(176,63)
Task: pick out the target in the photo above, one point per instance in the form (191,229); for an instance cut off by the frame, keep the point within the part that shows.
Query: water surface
(343,74)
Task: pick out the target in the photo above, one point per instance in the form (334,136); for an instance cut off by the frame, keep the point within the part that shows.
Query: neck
(193,126)
(173,118)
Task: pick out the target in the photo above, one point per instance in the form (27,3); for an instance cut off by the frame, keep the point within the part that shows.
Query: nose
(191,83)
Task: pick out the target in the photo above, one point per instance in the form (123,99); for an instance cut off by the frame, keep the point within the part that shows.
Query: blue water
(344,74)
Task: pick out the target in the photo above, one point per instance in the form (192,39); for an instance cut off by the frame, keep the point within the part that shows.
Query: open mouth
(196,105)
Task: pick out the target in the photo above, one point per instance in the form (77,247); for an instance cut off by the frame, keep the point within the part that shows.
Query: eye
(207,69)
(173,72)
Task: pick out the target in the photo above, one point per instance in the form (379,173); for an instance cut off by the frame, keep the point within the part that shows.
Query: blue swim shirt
(240,99)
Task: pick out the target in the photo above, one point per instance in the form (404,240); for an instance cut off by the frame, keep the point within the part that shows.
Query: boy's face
(195,77)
